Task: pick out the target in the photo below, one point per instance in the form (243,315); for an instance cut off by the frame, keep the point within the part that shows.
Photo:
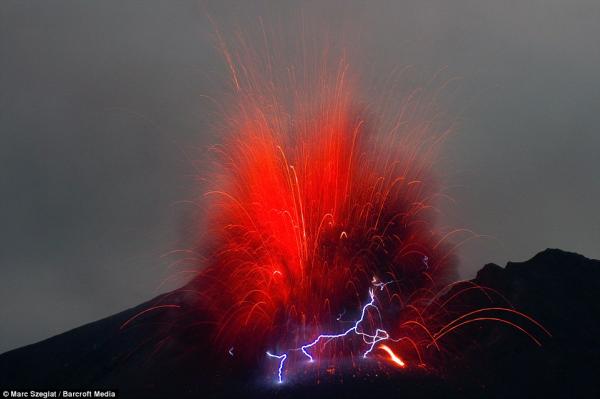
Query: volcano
(142,354)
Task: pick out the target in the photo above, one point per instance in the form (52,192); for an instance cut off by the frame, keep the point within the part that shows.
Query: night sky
(104,105)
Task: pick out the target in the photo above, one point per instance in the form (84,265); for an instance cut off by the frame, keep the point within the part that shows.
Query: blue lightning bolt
(281,361)
(381,285)
(368,339)
(371,340)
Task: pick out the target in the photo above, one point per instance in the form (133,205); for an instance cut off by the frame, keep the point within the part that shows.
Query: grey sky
(101,107)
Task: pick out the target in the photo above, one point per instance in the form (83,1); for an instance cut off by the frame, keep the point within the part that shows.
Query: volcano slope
(154,355)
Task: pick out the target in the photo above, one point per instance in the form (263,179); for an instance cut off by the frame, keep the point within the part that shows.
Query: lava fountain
(315,205)
(322,243)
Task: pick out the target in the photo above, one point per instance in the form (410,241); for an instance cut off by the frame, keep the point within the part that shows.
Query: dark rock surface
(154,358)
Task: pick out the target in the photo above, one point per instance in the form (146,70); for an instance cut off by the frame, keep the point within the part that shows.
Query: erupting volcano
(323,243)
(326,201)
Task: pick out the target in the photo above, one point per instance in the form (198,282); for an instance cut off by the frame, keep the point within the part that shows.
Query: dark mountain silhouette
(153,356)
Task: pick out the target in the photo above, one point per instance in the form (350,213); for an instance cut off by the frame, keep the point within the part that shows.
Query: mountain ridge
(556,287)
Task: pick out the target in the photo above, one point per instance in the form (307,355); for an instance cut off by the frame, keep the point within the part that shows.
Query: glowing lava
(393,357)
